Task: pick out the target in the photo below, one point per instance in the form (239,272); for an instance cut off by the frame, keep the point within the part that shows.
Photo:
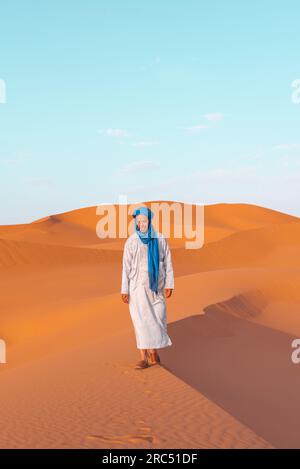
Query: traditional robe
(147,309)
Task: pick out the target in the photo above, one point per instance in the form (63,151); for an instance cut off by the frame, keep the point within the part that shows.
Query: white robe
(147,309)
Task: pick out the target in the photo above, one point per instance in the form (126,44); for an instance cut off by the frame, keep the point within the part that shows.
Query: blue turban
(150,238)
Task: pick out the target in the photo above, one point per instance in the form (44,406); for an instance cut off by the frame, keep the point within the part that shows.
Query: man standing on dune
(147,279)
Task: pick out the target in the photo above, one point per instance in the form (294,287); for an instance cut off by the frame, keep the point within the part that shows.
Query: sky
(190,101)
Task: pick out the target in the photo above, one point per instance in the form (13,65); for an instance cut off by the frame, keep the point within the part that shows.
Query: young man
(147,279)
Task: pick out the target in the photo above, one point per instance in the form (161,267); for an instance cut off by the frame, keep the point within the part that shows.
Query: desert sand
(226,382)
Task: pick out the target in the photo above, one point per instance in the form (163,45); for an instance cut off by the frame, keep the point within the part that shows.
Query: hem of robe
(155,346)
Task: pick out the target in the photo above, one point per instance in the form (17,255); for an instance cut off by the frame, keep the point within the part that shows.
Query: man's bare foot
(153,358)
(141,364)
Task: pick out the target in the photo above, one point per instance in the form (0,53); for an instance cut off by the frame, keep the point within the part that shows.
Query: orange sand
(227,381)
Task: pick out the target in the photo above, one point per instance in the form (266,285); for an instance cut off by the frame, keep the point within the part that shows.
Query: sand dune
(232,317)
(275,244)
(78,227)
(14,253)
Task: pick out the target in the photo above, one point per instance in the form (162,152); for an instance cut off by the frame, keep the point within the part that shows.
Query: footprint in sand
(142,377)
(143,436)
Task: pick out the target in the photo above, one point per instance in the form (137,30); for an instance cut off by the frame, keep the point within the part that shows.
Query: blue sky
(183,100)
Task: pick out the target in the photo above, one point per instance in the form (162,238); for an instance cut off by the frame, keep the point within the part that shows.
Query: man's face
(142,222)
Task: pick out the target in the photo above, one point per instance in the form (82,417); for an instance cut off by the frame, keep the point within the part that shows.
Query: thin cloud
(138,166)
(288,146)
(114,132)
(144,144)
(196,128)
(214,116)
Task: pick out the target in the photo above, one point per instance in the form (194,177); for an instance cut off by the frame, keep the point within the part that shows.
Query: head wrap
(150,238)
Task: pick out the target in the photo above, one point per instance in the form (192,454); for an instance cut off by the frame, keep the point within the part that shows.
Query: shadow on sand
(243,367)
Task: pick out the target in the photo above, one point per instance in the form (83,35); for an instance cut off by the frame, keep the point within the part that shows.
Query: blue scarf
(150,238)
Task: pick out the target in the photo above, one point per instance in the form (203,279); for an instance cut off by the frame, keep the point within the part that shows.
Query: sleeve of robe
(126,267)
(169,283)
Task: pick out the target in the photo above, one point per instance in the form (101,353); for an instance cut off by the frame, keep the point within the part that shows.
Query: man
(147,279)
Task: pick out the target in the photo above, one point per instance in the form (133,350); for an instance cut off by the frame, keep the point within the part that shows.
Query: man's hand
(168,292)
(125,297)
